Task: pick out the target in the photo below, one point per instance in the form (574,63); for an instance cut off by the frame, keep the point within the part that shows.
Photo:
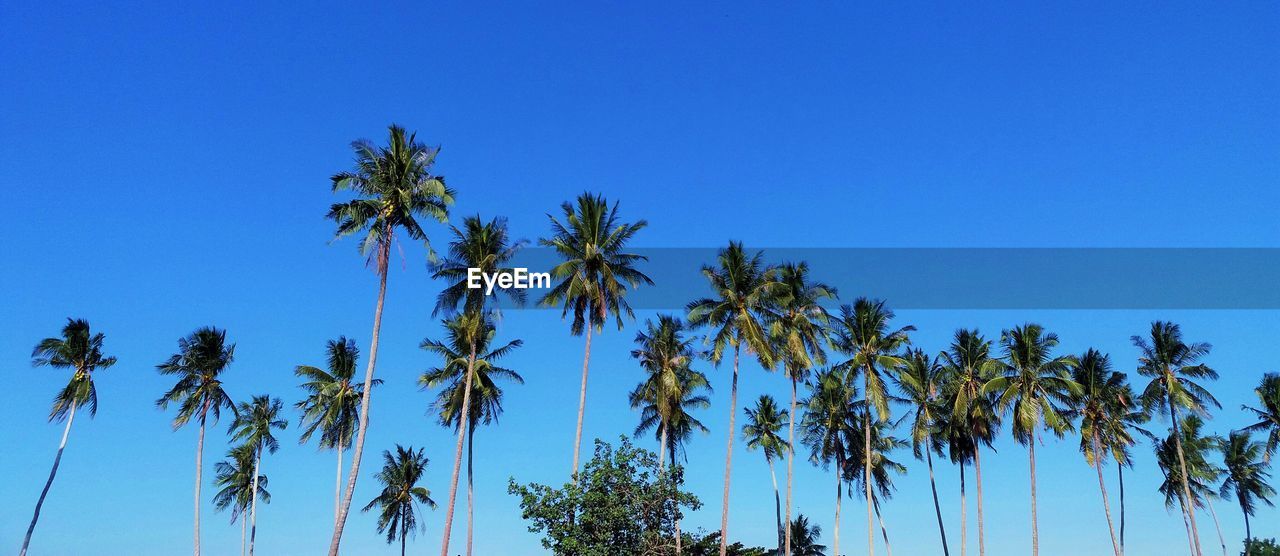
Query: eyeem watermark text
(517,278)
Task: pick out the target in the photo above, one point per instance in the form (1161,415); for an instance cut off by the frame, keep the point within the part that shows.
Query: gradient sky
(166,167)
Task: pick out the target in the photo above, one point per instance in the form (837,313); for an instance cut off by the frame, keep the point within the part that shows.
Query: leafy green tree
(1246,477)
(394,186)
(804,537)
(1268,392)
(594,276)
(484,402)
(201,359)
(1036,390)
(1260,547)
(764,422)
(238,483)
(1174,368)
(743,287)
(828,427)
(398,502)
(970,420)
(798,327)
(920,381)
(621,503)
(882,445)
(79,350)
(862,332)
(1195,450)
(253,424)
(332,405)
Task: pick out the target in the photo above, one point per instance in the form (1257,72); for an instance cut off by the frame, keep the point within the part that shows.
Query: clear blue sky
(166,167)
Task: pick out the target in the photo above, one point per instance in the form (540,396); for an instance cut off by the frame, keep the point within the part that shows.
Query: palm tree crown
(1036,385)
(1268,414)
(744,287)
(863,333)
(455,352)
(1197,448)
(797,320)
(764,421)
(690,393)
(254,422)
(201,359)
(398,502)
(1174,367)
(1106,407)
(486,246)
(235,477)
(80,350)
(1246,472)
(332,404)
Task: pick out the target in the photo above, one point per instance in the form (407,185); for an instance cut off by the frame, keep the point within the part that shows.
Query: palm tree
(804,538)
(487,247)
(201,359)
(1195,451)
(882,444)
(332,404)
(1102,405)
(81,351)
(797,325)
(970,420)
(828,427)
(394,186)
(398,502)
(594,276)
(235,476)
(862,332)
(1174,367)
(1246,476)
(920,384)
(761,432)
(484,401)
(664,353)
(1038,388)
(253,425)
(744,287)
(1268,392)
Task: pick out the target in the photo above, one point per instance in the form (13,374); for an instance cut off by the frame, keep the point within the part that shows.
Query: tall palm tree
(664,353)
(488,247)
(1102,404)
(862,332)
(398,502)
(79,350)
(743,287)
(828,427)
(201,359)
(394,186)
(1174,367)
(764,421)
(235,476)
(804,538)
(1037,389)
(594,276)
(252,425)
(882,444)
(970,420)
(1246,476)
(920,382)
(797,326)
(484,401)
(332,405)
(1195,451)
(1268,392)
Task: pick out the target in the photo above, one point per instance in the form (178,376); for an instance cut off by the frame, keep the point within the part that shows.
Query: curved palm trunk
(977,472)
(1187,501)
(835,543)
(883,532)
(1221,540)
(777,503)
(728,458)
(471,496)
(52,472)
(791,441)
(253,504)
(1120,472)
(1102,486)
(463,425)
(337,487)
(358,454)
(1035,532)
(199,470)
(937,508)
(582,405)
(1187,524)
(964,528)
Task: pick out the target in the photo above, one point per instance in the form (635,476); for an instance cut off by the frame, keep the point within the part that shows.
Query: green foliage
(81,351)
(486,246)
(449,377)
(744,287)
(621,504)
(708,544)
(1268,392)
(397,504)
(1261,547)
(332,405)
(234,476)
(764,422)
(254,422)
(1037,387)
(201,359)
(862,333)
(672,388)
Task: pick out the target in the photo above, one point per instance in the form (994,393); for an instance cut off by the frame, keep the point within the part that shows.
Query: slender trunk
(728,457)
(358,453)
(1221,540)
(835,544)
(1187,501)
(777,503)
(662,448)
(866,458)
(883,532)
(1120,472)
(977,472)
(679,537)
(791,441)
(337,486)
(243,521)
(199,470)
(463,424)
(937,508)
(964,527)
(253,504)
(1102,486)
(1248,534)
(1035,533)
(403,531)
(582,404)
(1187,524)
(52,472)
(471,495)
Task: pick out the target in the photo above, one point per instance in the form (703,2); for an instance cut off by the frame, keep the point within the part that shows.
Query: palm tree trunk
(791,441)
(1221,540)
(777,503)
(199,469)
(883,532)
(463,424)
(403,532)
(1187,500)
(835,544)
(1035,533)
(341,522)
(1187,524)
(1102,486)
(937,508)
(1248,534)
(977,471)
(337,486)
(52,472)
(582,404)
(662,448)
(1120,472)
(964,528)
(253,504)
(471,496)
(728,457)
(243,521)
(679,537)
(866,459)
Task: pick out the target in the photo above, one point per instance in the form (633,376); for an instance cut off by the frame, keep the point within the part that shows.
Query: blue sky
(166,167)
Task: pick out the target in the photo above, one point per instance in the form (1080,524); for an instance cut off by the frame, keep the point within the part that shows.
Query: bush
(1261,547)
